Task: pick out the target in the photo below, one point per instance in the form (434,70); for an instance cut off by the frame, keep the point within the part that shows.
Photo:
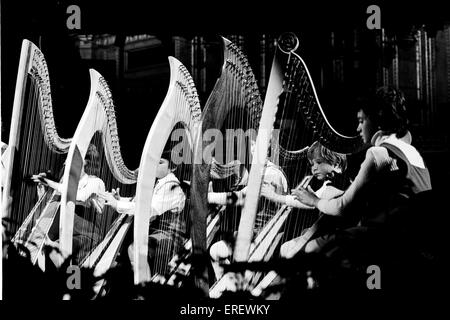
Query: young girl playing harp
(327,168)
(85,233)
(167,227)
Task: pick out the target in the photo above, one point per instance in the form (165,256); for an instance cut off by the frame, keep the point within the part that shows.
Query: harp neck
(39,73)
(290,76)
(181,105)
(33,133)
(235,88)
(307,101)
(106,110)
(245,231)
(98,118)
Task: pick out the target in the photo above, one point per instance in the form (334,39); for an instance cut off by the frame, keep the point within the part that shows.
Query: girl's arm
(268,192)
(337,205)
(121,204)
(42,179)
(225,198)
(94,186)
(126,207)
(169,197)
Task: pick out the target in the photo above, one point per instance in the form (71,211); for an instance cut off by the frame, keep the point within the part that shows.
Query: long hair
(92,161)
(387,110)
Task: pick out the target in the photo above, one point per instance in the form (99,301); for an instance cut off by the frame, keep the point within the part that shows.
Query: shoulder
(376,151)
(170,182)
(378,156)
(405,151)
(273,173)
(94,180)
(273,170)
(172,179)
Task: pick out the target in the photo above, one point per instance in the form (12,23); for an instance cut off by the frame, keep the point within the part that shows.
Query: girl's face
(163,168)
(320,168)
(366,128)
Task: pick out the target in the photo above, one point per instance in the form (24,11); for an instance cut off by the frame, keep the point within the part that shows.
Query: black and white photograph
(224,160)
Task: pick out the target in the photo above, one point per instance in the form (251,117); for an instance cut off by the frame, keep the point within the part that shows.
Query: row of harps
(234,103)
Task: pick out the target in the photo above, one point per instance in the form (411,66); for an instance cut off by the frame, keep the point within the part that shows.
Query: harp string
(245,116)
(92,220)
(100,224)
(171,226)
(291,141)
(39,148)
(298,169)
(172,223)
(236,91)
(300,97)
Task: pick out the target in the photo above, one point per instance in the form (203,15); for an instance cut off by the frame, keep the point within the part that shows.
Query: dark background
(331,35)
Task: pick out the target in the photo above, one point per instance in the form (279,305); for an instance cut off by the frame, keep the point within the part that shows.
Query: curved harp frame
(217,107)
(277,83)
(259,159)
(165,121)
(99,113)
(328,136)
(317,121)
(32,62)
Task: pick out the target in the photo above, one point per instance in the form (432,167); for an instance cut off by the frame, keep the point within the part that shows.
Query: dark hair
(333,158)
(92,161)
(167,154)
(387,110)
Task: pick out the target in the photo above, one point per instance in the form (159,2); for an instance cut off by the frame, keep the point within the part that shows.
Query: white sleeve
(126,207)
(381,157)
(275,177)
(292,202)
(93,187)
(169,197)
(337,205)
(217,198)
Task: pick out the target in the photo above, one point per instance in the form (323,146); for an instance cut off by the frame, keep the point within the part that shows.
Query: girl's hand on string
(41,189)
(267,190)
(306,196)
(116,194)
(40,178)
(97,205)
(109,198)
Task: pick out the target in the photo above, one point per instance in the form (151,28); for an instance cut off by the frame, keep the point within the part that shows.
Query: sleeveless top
(403,175)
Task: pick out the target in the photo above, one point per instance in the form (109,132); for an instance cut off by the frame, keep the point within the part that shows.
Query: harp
(178,116)
(231,173)
(234,93)
(290,96)
(86,224)
(230,176)
(35,146)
